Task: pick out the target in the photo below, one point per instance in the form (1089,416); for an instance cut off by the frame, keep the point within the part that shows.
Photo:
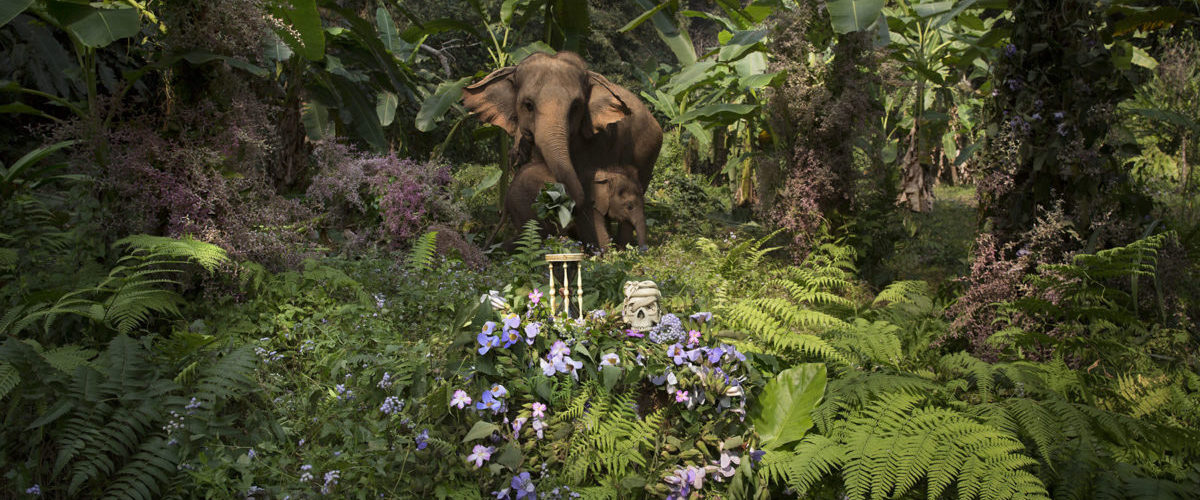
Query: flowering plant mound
(584,403)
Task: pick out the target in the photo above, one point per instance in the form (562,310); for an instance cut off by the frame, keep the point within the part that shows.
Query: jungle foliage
(908,248)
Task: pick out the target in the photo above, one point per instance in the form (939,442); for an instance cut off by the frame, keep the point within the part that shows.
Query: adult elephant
(573,120)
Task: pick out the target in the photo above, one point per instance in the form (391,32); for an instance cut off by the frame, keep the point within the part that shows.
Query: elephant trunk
(552,136)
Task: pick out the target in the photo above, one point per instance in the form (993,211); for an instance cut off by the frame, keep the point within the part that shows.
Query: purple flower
(511,321)
(511,337)
(306,475)
(535,296)
(609,359)
(1058,115)
(681,397)
(550,367)
(498,391)
(489,327)
(714,355)
(599,314)
(422,439)
(480,454)
(488,342)
(539,410)
(331,480)
(517,423)
(488,402)
(1010,50)
(726,465)
(531,331)
(559,349)
(34,490)
(756,455)
(386,382)
(676,352)
(538,426)
(693,338)
(634,333)
(702,317)
(523,486)
(460,399)
(572,366)
(391,405)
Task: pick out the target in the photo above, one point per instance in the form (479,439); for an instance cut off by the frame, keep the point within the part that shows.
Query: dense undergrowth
(254,254)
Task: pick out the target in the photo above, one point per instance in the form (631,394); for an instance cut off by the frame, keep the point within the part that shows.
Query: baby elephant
(615,193)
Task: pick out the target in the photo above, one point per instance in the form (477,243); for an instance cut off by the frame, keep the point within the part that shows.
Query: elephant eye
(528,105)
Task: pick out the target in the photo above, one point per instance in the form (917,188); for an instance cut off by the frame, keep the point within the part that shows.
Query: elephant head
(548,102)
(618,196)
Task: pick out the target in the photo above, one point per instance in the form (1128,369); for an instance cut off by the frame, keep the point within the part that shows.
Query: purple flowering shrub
(538,384)
(181,175)
(383,198)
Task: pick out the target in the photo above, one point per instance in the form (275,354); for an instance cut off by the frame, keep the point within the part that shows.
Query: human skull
(640,308)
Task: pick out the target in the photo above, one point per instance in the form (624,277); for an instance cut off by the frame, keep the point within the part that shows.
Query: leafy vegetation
(907,249)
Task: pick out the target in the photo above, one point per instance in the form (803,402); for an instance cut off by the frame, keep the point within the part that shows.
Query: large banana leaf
(303,17)
(853,15)
(95,27)
(10,8)
(784,411)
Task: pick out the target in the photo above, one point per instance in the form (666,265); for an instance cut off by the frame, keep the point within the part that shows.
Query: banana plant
(721,88)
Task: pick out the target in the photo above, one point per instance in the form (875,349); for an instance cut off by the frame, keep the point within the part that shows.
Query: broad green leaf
(20,108)
(848,16)
(711,17)
(96,27)
(758,81)
(741,43)
(509,456)
(276,49)
(784,410)
(1142,58)
(359,112)
(719,113)
(637,21)
(389,34)
(928,9)
(385,107)
(304,19)
(436,105)
(484,184)
(675,38)
(519,54)
(480,430)
(10,8)
(691,75)
(610,375)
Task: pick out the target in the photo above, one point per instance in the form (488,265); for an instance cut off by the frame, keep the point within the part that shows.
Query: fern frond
(9,378)
(420,257)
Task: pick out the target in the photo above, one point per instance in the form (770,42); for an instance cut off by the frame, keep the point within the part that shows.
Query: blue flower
(715,354)
(676,352)
(34,490)
(489,327)
(523,486)
(422,439)
(391,405)
(512,321)
(702,317)
(511,337)
(531,331)
(487,341)
(498,391)
(488,402)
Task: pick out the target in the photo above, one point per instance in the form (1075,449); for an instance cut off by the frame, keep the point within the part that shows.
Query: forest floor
(939,247)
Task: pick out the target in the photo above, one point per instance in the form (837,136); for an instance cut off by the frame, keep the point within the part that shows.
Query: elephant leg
(624,234)
(600,228)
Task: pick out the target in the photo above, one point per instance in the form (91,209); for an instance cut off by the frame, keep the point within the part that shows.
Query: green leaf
(719,113)
(436,105)
(610,375)
(480,430)
(741,43)
(16,108)
(490,180)
(509,456)
(675,38)
(385,107)
(692,75)
(853,15)
(304,19)
(520,53)
(389,34)
(96,27)
(10,8)
(784,412)
(637,21)
(932,8)
(315,117)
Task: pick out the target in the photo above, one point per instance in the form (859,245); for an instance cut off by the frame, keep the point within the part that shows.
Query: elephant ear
(605,107)
(493,99)
(603,191)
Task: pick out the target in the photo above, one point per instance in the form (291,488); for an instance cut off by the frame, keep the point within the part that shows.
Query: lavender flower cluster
(668,330)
